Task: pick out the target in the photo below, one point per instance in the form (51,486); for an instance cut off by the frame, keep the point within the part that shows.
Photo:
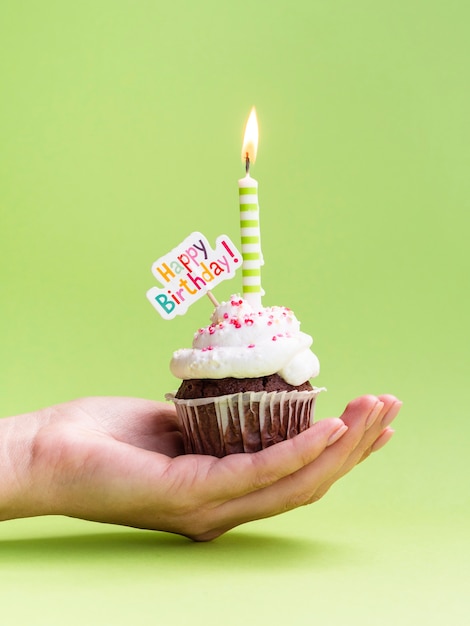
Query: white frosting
(244,342)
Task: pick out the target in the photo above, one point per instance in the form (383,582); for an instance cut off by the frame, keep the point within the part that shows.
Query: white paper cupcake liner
(243,422)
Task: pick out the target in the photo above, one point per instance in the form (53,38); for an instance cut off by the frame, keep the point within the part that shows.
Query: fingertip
(329,428)
(383,439)
(374,414)
(337,434)
(363,401)
(361,407)
(391,413)
(388,398)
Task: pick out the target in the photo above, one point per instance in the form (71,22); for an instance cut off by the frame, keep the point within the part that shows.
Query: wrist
(20,490)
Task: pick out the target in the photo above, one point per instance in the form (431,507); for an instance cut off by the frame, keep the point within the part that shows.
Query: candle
(249,218)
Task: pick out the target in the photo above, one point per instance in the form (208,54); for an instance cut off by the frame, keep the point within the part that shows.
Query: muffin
(245,381)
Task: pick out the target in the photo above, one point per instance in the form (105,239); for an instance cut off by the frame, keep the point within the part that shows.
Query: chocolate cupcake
(245,382)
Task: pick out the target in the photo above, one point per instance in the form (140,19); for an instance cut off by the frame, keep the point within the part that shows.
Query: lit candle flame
(250,140)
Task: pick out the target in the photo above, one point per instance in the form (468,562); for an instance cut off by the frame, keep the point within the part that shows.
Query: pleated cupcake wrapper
(243,422)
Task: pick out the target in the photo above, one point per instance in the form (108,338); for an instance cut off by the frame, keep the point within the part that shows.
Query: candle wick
(247,163)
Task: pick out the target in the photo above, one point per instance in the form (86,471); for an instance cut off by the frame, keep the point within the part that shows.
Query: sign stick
(212,298)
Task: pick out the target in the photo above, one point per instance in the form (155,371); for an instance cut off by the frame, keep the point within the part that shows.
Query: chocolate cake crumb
(211,387)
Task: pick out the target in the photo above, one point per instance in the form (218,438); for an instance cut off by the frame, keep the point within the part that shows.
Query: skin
(120,461)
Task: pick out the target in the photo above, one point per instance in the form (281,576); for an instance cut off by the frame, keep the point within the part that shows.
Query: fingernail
(384,438)
(392,413)
(374,414)
(336,435)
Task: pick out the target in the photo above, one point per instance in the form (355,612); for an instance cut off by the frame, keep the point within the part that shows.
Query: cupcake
(245,381)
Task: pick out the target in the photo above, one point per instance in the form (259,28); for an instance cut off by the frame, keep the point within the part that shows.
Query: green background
(120,133)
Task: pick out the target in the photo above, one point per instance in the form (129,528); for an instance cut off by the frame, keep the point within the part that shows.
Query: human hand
(120,461)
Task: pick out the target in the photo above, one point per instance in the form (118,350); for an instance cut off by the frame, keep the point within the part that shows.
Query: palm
(141,423)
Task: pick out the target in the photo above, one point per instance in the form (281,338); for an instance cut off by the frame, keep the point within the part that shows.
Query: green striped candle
(249,217)
(250,240)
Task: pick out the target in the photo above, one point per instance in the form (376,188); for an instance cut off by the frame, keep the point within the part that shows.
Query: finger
(299,486)
(379,443)
(238,474)
(382,440)
(393,410)
(371,436)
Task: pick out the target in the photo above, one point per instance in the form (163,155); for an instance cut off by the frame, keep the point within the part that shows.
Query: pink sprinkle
(270,323)
(249,321)
(251,345)
(211,330)
(221,325)
(237,324)
(225,316)
(240,302)
(210,348)
(274,338)
(201,330)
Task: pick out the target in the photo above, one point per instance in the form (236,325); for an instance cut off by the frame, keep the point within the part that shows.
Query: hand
(119,460)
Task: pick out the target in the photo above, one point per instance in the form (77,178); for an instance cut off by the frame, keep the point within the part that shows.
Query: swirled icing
(244,342)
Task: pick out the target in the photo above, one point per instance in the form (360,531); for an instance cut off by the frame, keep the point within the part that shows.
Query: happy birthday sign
(189,271)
